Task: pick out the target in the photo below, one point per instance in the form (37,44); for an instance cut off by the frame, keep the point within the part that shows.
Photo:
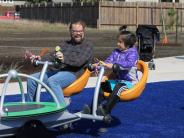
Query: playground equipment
(137,90)
(14,115)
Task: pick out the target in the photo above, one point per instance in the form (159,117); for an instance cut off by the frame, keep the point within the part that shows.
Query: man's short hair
(77,22)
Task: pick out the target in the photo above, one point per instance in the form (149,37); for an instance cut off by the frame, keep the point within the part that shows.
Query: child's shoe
(101,111)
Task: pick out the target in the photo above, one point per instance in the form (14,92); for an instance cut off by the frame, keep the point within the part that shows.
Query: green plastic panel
(46,108)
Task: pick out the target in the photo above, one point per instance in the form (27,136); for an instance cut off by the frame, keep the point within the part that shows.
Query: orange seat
(78,85)
(138,88)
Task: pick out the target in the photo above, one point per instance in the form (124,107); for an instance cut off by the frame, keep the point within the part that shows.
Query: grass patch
(13,66)
(27,26)
(40,26)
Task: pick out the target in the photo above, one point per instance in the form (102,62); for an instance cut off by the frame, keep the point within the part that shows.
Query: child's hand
(107,65)
(102,63)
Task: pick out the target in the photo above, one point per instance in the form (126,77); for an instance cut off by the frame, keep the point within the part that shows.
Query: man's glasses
(77,31)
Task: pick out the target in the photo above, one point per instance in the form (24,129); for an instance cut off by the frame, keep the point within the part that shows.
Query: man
(74,56)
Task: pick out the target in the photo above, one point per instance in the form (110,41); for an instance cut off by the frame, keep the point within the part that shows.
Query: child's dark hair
(128,38)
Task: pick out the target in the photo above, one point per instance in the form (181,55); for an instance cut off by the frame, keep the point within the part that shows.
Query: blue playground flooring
(158,113)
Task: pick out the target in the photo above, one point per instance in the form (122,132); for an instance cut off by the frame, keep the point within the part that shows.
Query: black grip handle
(91,67)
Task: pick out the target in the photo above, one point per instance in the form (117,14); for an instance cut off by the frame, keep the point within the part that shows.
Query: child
(125,56)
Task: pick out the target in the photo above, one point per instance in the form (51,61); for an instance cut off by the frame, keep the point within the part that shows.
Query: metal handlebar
(38,62)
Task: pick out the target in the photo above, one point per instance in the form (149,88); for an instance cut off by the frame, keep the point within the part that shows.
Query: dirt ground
(14,44)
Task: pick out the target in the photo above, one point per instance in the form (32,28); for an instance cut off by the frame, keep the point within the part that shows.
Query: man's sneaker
(86,109)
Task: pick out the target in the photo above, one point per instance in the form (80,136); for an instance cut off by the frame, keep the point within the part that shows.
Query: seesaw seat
(137,90)
(78,85)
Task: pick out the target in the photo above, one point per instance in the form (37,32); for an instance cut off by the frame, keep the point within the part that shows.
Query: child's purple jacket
(127,60)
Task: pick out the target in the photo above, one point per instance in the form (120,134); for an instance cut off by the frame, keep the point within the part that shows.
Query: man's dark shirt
(76,56)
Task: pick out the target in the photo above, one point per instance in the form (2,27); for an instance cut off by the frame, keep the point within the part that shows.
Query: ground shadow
(89,127)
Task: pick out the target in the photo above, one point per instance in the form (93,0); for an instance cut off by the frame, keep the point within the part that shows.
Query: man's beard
(78,39)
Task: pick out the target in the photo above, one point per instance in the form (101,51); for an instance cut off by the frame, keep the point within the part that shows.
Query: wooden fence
(63,12)
(108,14)
(132,14)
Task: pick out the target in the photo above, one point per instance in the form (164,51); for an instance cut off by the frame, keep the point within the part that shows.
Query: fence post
(176,22)
(137,12)
(151,14)
(99,14)
(176,26)
(181,16)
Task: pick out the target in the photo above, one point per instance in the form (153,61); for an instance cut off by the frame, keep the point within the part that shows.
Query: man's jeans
(55,80)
